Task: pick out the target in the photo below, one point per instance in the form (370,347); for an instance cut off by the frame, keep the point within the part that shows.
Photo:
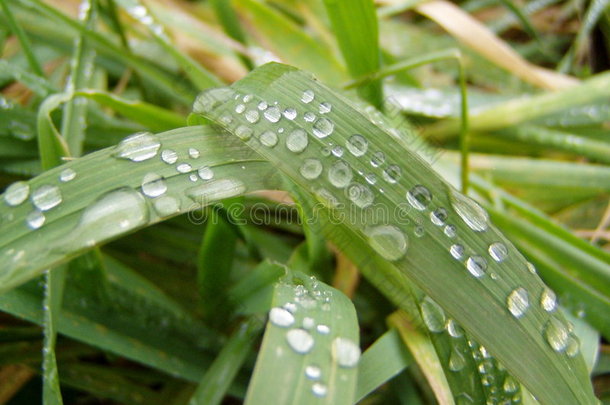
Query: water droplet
(184,168)
(35,219)
(456,360)
(345,352)
(263,105)
(325,108)
(370,178)
(433,315)
(311,169)
(518,302)
(290,113)
(531,267)
(268,139)
(309,116)
(340,174)
(300,340)
(323,127)
(205,173)
(297,141)
(419,197)
(377,159)
(360,195)
(510,385)
(476,265)
(169,156)
(240,108)
(273,114)
(252,116)
(319,390)
(548,300)
(450,231)
(308,96)
(454,329)
(67,175)
(389,241)
(213,190)
(281,317)
(193,177)
(166,205)
(573,346)
(556,334)
(153,185)
(419,231)
(323,329)
(247,98)
(16,193)
(308,323)
(439,216)
(138,147)
(357,145)
(46,197)
(193,153)
(243,132)
(392,174)
(290,307)
(471,213)
(337,151)
(313,372)
(498,251)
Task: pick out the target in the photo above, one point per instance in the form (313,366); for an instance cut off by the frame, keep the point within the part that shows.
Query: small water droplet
(345,352)
(153,185)
(323,329)
(392,174)
(297,141)
(325,108)
(263,105)
(193,153)
(476,265)
(268,139)
(193,177)
(573,347)
(357,145)
(166,205)
(456,360)
(498,251)
(510,385)
(16,193)
(557,335)
(169,156)
(313,372)
(473,215)
(337,151)
(518,302)
(531,267)
(377,159)
(247,98)
(439,216)
(272,114)
(184,168)
(340,174)
(205,173)
(300,340)
(360,195)
(290,307)
(454,329)
(243,132)
(309,116)
(311,169)
(281,317)
(46,197)
(252,116)
(240,108)
(389,241)
(419,197)
(290,113)
(370,178)
(323,127)
(308,96)
(35,219)
(319,389)
(67,175)
(433,315)
(450,231)
(138,147)
(548,300)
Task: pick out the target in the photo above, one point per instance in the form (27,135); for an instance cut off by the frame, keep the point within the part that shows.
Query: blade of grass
(37,84)
(26,46)
(230,23)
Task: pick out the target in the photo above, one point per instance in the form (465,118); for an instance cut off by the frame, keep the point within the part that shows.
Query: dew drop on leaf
(473,215)
(205,173)
(281,317)
(290,113)
(323,127)
(16,193)
(214,190)
(389,241)
(360,195)
(548,300)
(392,174)
(323,329)
(345,352)
(184,168)
(297,141)
(498,251)
(138,147)
(313,372)
(454,329)
(308,96)
(357,145)
(193,153)
(268,139)
(166,205)
(456,360)
(311,169)
(340,174)
(377,159)
(153,185)
(476,265)
(169,156)
(439,216)
(319,389)
(67,175)
(35,219)
(243,132)
(556,334)
(419,197)
(46,197)
(300,340)
(272,114)
(518,302)
(433,315)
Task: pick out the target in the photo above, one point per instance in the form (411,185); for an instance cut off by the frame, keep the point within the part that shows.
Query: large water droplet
(392,174)
(308,96)
(476,265)
(377,159)
(214,190)
(272,114)
(498,251)
(281,317)
(311,169)
(169,156)
(454,329)
(67,175)
(360,195)
(46,197)
(138,147)
(357,145)
(153,185)
(268,139)
(35,219)
(300,340)
(16,193)
(556,334)
(313,372)
(323,127)
(389,241)
(548,300)
(456,360)
(419,197)
(252,116)
(345,352)
(433,315)
(518,302)
(471,213)
(297,141)
(243,132)
(166,205)
(340,174)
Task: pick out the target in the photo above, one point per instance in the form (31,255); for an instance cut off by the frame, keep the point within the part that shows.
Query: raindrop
(309,116)
(323,127)
(456,360)
(263,105)
(268,139)
(419,197)
(313,372)
(370,178)
(556,334)
(205,173)
(35,219)
(297,141)
(392,174)
(319,390)
(337,151)
(308,96)
(46,197)
(16,193)
(300,340)
(498,251)
(193,177)
(252,116)
(573,346)
(510,385)
(325,108)
(166,205)
(290,113)
(193,153)
(360,195)
(138,147)
(67,175)
(340,174)
(476,265)
(243,132)
(518,302)
(311,169)
(433,315)
(471,213)
(184,168)
(377,159)
(454,329)
(357,145)
(290,307)
(240,108)
(247,98)
(450,231)
(389,241)
(323,329)
(345,352)
(281,317)
(273,114)
(531,267)
(169,156)
(439,216)
(153,185)
(548,300)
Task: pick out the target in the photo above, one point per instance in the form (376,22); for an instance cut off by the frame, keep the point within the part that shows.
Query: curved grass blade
(490,284)
(310,349)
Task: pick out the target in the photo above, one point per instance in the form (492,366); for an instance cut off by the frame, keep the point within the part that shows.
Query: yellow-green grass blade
(492,276)
(310,350)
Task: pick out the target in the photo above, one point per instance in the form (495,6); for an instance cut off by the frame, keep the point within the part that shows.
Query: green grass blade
(26,46)
(230,22)
(38,85)
(310,349)
(355,26)
(426,260)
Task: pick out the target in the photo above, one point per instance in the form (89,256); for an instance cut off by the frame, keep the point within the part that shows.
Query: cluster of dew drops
(389,241)
(301,339)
